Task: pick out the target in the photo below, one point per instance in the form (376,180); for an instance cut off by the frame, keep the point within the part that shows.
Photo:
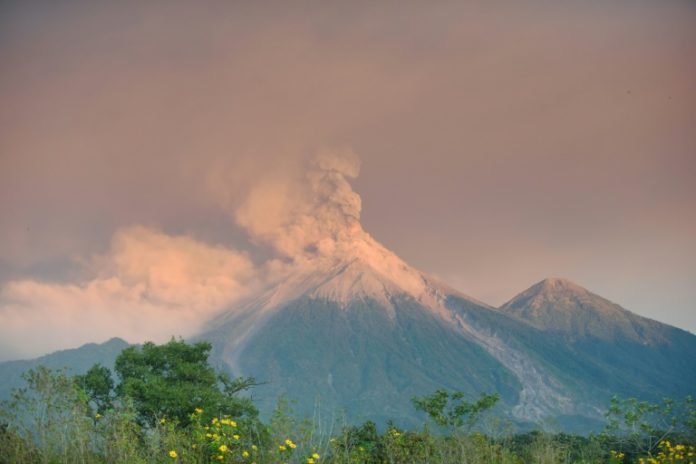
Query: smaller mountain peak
(559,283)
(561,305)
(556,291)
(116,341)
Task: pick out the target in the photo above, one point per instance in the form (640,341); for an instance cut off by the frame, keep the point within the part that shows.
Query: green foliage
(98,384)
(118,436)
(639,427)
(451,410)
(57,419)
(173,379)
(284,422)
(366,446)
(408,446)
(51,410)
(688,414)
(359,444)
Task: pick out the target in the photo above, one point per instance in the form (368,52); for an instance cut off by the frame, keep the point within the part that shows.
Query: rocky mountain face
(560,306)
(624,353)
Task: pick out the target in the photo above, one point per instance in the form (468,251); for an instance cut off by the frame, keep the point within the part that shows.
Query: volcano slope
(362,340)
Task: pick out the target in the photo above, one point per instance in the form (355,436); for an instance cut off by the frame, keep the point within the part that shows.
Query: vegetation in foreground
(170,406)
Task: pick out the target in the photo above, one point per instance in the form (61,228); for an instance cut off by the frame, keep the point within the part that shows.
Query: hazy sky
(500,142)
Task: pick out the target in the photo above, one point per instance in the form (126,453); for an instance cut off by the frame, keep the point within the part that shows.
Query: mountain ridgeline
(75,361)
(361,338)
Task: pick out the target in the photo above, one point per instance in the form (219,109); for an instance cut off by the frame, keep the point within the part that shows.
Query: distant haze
(162,160)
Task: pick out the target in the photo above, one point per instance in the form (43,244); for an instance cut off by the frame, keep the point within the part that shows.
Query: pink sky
(500,142)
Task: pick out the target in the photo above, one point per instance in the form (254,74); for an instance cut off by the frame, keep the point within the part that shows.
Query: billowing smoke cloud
(311,219)
(149,286)
(312,214)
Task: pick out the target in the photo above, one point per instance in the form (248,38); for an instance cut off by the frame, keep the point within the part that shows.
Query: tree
(98,384)
(640,426)
(173,379)
(451,410)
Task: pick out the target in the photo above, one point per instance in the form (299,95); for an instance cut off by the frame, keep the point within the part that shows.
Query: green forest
(167,404)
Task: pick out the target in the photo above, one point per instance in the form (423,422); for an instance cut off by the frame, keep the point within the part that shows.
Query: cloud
(308,214)
(149,286)
(311,219)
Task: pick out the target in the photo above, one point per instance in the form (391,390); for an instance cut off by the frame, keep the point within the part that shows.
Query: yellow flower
(316,456)
(254,447)
(223,448)
(290,443)
(97,416)
(310,461)
(198,411)
(282,448)
(163,421)
(245,454)
(172,454)
(235,436)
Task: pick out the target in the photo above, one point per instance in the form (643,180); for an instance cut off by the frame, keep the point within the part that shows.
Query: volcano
(360,336)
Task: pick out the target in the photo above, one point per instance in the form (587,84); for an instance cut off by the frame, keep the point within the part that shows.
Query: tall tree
(98,384)
(173,379)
